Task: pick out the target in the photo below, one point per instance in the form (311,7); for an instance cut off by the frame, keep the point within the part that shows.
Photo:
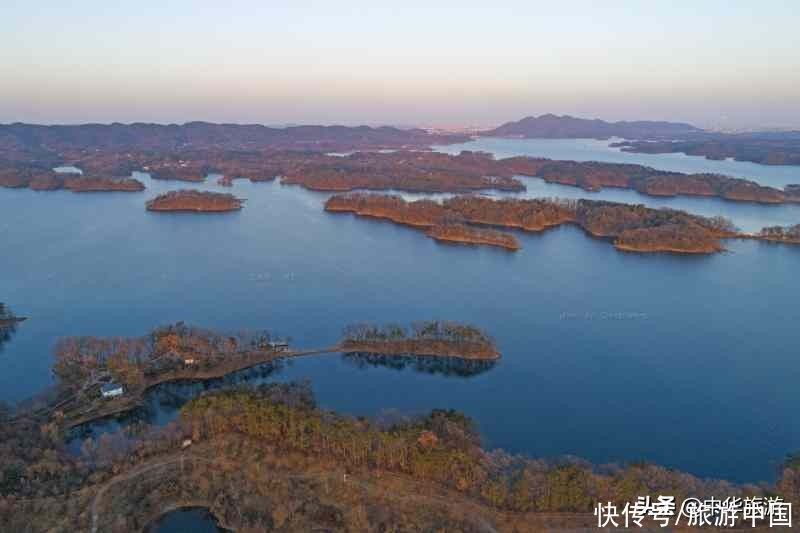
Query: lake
(690,362)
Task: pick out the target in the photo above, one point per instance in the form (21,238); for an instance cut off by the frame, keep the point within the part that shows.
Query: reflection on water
(446,366)
(7,331)
(8,325)
(162,403)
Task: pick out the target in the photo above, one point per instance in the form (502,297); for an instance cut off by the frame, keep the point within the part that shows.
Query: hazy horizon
(726,65)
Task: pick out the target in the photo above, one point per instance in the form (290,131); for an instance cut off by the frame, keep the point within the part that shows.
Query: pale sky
(434,62)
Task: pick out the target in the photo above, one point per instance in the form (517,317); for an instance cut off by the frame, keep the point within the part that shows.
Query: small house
(110,390)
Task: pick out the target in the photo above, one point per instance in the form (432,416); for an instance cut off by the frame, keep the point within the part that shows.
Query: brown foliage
(196,201)
(634,227)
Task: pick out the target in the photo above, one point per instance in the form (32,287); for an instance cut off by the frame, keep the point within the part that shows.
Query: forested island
(789,234)
(414,171)
(7,316)
(170,353)
(178,352)
(49,180)
(8,324)
(658,137)
(629,227)
(195,201)
(269,458)
(764,148)
(593,176)
(434,338)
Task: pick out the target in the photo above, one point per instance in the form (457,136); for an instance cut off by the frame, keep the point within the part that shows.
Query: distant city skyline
(715,64)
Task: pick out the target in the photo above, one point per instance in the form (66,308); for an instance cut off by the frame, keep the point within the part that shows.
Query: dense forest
(416,171)
(195,201)
(417,461)
(781,234)
(444,448)
(593,176)
(631,227)
(43,179)
(440,330)
(765,148)
(83,361)
(438,338)
(409,171)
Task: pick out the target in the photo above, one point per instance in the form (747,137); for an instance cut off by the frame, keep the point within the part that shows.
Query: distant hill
(34,138)
(566,127)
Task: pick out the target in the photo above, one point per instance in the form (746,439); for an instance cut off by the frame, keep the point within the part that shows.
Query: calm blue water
(184,520)
(689,362)
(594,150)
(748,216)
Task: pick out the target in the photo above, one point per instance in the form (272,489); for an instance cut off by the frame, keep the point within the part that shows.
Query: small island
(8,324)
(195,202)
(99,184)
(48,180)
(433,338)
(793,192)
(789,234)
(7,316)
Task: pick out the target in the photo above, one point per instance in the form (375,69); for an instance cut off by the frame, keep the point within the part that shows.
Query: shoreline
(466,351)
(194,201)
(663,237)
(133,398)
(473,236)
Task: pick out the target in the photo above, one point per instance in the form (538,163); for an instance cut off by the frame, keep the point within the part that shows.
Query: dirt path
(417,491)
(127,476)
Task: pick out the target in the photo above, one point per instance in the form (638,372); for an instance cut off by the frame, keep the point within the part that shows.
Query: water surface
(690,362)
(595,150)
(195,520)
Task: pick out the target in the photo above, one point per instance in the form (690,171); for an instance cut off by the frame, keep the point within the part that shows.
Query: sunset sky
(713,63)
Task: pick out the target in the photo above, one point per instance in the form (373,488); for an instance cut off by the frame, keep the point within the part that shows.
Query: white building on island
(110,390)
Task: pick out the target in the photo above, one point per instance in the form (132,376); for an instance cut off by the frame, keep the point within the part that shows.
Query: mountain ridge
(550,126)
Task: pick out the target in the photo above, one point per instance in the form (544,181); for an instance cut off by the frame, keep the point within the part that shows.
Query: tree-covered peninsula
(629,227)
